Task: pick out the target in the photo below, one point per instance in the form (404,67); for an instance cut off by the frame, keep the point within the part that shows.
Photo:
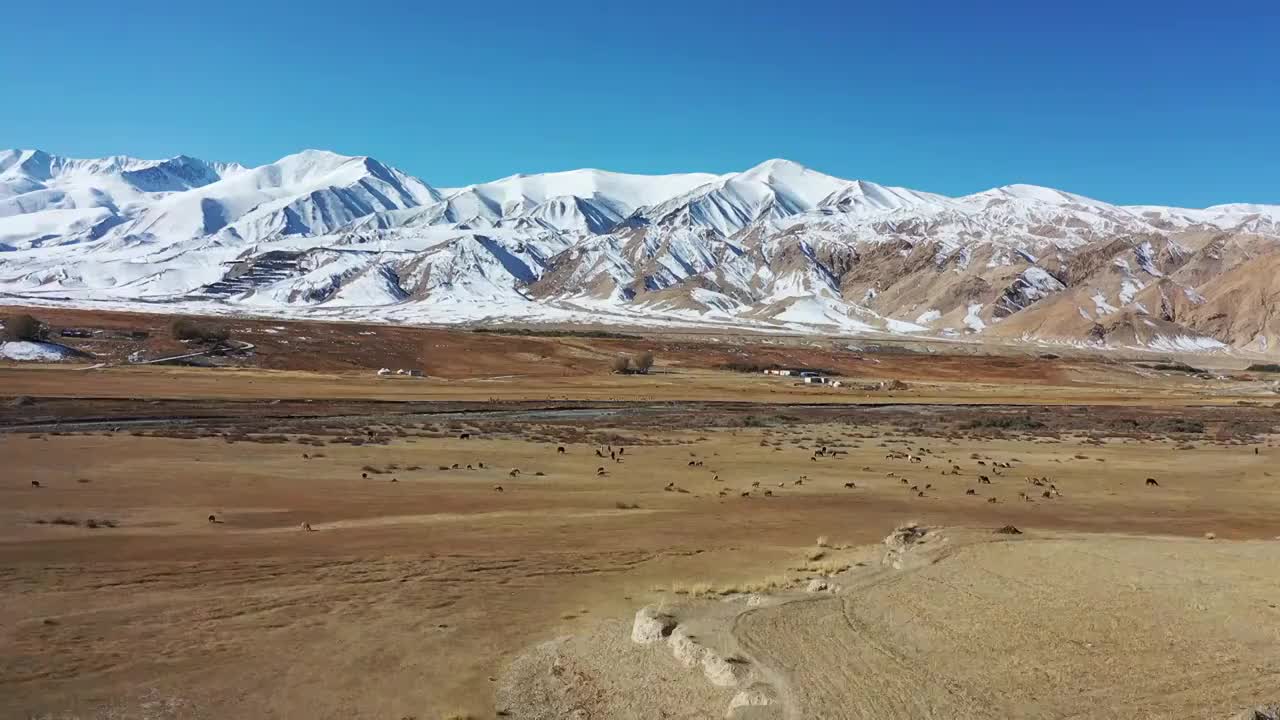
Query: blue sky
(1132,102)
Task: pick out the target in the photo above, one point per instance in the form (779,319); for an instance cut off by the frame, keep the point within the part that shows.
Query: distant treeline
(750,366)
(528,332)
(1264,367)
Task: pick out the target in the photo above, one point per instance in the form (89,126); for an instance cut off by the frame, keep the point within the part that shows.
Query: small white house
(815,380)
(384,371)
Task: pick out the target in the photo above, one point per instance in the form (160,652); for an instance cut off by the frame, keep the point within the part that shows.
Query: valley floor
(159,569)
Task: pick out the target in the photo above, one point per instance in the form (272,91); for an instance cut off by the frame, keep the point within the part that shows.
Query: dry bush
(642,362)
(188,329)
(25,327)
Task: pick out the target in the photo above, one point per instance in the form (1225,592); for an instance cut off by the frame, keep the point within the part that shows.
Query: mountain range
(777,247)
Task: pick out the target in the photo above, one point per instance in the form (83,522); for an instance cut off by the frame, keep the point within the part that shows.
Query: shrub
(642,362)
(188,329)
(620,364)
(24,327)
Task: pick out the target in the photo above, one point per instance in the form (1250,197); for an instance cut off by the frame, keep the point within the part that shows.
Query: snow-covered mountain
(776,246)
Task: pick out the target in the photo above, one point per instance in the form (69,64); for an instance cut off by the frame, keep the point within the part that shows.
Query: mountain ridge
(776,246)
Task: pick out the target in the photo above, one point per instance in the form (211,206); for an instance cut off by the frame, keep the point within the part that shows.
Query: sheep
(984,480)
(970,491)
(305,527)
(904,481)
(560,450)
(991,500)
(514,472)
(213,518)
(850,485)
(464,436)
(497,488)
(1151,482)
(35,483)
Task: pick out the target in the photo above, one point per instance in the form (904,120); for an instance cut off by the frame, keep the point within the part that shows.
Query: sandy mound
(1079,627)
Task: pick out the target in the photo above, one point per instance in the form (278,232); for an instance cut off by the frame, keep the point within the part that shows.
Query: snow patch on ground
(25,351)
(1100,302)
(971,319)
(1128,290)
(1185,343)
(928,316)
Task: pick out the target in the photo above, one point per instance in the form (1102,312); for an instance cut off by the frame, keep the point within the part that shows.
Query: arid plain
(482,537)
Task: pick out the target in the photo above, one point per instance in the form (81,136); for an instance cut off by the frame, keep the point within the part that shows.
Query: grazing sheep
(599,453)
(984,480)
(928,486)
(622,451)
(601,472)
(746,493)
(798,482)
(850,485)
(497,488)
(920,494)
(904,481)
(915,488)
(715,479)
(970,491)
(464,436)
(454,466)
(690,462)
(213,518)
(481,466)
(755,484)
(305,527)
(514,472)
(35,483)
(768,493)
(1151,482)
(305,456)
(991,500)
(1046,494)
(395,479)
(470,468)
(364,475)
(560,450)
(982,463)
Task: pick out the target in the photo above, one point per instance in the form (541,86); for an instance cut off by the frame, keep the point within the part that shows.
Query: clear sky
(1130,101)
